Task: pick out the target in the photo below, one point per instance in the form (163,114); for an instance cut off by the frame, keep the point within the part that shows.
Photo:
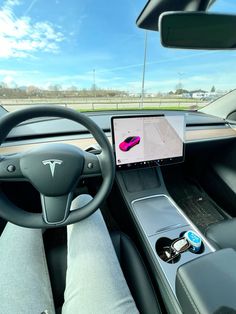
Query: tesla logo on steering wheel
(52,164)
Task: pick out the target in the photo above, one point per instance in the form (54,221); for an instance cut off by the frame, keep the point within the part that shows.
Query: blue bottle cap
(194,240)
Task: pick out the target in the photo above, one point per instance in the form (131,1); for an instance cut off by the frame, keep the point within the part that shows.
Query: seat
(223,234)
(131,263)
(136,274)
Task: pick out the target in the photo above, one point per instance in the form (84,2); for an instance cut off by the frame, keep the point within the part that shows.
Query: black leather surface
(220,178)
(223,234)
(208,284)
(131,263)
(135,274)
(55,243)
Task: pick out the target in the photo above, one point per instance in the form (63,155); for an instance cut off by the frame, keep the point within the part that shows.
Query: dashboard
(198,128)
(160,137)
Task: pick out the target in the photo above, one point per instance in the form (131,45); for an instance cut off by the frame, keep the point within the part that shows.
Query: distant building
(186,95)
(206,95)
(199,95)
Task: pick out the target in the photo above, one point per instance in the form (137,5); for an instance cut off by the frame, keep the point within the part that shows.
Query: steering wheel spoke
(10,168)
(56,209)
(92,166)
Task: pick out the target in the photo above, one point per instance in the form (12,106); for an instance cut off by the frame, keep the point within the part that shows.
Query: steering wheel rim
(105,161)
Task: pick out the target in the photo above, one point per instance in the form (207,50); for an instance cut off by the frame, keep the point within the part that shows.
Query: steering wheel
(54,170)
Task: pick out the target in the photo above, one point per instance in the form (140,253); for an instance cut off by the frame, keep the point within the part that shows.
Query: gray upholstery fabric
(24,280)
(94,284)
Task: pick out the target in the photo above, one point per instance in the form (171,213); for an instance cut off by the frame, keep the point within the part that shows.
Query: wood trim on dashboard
(192,135)
(83,143)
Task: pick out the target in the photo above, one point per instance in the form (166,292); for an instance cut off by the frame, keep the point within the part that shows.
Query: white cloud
(21,37)
(9,81)
(11,3)
(13,78)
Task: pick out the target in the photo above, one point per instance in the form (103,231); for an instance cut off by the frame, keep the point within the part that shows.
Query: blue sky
(48,42)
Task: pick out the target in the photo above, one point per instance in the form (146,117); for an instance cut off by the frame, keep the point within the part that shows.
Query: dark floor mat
(196,203)
(201,211)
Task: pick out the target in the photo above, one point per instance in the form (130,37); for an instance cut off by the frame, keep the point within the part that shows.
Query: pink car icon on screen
(129,142)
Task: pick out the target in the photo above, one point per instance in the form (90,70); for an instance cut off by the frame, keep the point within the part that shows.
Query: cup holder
(161,246)
(166,253)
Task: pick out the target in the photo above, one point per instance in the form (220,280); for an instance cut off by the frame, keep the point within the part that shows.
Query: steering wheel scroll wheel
(54,170)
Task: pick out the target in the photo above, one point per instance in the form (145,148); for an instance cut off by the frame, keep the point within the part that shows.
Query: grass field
(101,104)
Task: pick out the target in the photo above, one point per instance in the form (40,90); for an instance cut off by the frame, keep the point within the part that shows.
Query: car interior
(168,195)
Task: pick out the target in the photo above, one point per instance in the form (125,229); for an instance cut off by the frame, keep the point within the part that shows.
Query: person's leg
(24,279)
(94,282)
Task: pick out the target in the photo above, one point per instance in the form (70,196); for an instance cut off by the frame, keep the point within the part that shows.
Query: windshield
(91,56)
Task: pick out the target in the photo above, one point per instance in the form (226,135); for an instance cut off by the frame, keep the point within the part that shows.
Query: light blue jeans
(94,280)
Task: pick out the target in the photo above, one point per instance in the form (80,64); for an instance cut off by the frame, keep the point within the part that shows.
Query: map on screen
(146,138)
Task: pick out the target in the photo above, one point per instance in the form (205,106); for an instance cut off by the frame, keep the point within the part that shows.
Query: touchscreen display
(141,139)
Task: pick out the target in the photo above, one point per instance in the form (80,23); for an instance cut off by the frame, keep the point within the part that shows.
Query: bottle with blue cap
(194,240)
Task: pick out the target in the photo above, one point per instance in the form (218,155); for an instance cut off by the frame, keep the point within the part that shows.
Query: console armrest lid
(208,283)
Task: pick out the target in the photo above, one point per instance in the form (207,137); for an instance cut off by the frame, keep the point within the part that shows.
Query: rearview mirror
(197,30)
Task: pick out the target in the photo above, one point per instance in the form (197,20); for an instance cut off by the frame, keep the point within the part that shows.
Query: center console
(162,222)
(189,272)
(141,145)
(159,222)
